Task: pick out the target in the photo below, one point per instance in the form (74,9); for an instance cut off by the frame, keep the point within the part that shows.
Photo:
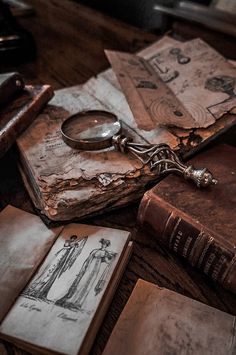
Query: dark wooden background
(71,39)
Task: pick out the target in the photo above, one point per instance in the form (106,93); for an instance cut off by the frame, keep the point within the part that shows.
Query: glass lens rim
(85,144)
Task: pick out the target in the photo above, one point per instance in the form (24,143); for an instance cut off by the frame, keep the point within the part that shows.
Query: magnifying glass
(95,130)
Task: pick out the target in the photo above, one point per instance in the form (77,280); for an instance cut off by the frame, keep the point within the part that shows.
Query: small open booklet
(61,308)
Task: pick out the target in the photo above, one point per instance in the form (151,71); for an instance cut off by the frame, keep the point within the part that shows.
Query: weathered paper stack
(65,183)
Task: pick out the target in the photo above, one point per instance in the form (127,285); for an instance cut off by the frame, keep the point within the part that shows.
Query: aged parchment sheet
(201,78)
(187,85)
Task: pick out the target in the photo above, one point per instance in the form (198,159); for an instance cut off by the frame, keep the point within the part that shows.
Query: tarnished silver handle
(95,129)
(162,159)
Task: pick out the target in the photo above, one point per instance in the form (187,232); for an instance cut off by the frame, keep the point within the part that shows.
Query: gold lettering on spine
(177,240)
(195,246)
(209,263)
(218,267)
(209,242)
(186,246)
(174,230)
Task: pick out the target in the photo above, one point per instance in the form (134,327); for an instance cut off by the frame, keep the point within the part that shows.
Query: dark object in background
(16,44)
(138,13)
(19,8)
(10,85)
(209,17)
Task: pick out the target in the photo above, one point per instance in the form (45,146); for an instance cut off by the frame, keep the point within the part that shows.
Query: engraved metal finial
(162,159)
(201,176)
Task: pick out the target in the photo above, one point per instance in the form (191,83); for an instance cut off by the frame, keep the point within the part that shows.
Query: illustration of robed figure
(62,261)
(87,278)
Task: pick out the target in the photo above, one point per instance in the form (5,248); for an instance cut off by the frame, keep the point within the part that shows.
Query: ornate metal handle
(162,159)
(95,129)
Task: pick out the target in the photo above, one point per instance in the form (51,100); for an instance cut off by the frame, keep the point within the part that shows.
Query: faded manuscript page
(187,85)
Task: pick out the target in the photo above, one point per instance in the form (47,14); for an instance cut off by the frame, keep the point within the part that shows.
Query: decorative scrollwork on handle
(162,159)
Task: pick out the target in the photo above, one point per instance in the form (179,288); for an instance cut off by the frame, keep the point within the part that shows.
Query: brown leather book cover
(20,113)
(159,321)
(10,85)
(198,224)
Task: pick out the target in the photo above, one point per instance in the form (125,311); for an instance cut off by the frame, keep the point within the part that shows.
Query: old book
(198,224)
(65,183)
(20,112)
(159,321)
(11,84)
(62,307)
(24,241)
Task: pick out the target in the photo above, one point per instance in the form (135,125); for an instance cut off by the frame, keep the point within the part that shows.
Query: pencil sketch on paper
(62,261)
(179,56)
(88,278)
(166,73)
(92,276)
(221,83)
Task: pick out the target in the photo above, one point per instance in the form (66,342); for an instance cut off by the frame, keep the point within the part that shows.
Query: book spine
(188,238)
(28,108)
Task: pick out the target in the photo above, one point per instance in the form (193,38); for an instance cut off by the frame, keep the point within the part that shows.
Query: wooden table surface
(71,40)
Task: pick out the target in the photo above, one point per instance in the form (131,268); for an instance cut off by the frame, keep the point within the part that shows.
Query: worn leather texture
(20,112)
(198,224)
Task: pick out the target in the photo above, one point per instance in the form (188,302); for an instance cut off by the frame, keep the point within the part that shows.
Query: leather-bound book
(20,112)
(198,224)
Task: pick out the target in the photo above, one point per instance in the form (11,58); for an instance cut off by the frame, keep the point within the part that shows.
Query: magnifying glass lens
(91,127)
